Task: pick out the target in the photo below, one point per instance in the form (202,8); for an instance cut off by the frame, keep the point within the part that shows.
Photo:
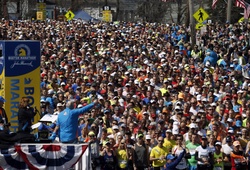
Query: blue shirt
(67,121)
(173,164)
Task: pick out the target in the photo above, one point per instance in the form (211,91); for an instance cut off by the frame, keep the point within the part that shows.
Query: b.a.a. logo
(22,52)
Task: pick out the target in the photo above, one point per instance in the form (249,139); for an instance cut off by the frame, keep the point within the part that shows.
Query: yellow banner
(18,87)
(20,77)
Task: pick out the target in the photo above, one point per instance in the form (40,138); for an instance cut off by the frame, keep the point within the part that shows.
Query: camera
(43,105)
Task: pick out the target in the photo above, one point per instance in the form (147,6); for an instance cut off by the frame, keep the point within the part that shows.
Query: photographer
(44,107)
(3,115)
(25,115)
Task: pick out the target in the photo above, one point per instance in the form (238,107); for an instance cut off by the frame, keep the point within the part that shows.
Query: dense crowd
(163,102)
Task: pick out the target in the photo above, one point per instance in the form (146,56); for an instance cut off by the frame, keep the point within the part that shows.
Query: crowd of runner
(166,103)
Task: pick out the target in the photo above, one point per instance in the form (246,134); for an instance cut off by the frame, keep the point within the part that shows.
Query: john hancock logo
(22,57)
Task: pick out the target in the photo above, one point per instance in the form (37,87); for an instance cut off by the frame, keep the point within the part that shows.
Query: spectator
(25,115)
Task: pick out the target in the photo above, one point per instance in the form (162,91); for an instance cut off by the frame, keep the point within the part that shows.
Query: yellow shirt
(137,109)
(217,164)
(168,144)
(158,152)
(163,91)
(122,158)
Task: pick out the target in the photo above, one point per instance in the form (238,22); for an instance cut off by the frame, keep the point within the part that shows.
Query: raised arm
(173,164)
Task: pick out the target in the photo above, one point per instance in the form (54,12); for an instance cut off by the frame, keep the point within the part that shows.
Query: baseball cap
(148,137)
(236,143)
(51,91)
(140,135)
(230,120)
(181,96)
(238,123)
(204,137)
(228,139)
(168,131)
(115,127)
(79,105)
(177,107)
(59,104)
(105,143)
(198,97)
(42,100)
(218,143)
(160,121)
(170,157)
(91,133)
(192,125)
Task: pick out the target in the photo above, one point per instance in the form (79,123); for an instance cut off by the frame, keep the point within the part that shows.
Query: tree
(219,14)
(152,11)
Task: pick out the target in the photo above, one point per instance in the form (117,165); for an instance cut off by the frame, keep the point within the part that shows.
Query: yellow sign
(41,6)
(2,78)
(200,15)
(198,26)
(39,15)
(69,15)
(107,16)
(241,19)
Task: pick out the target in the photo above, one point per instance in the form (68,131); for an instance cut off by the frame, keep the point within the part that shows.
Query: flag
(214,3)
(247,11)
(240,3)
(43,156)
(245,5)
(10,159)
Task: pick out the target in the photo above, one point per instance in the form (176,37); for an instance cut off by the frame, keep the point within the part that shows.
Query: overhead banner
(20,76)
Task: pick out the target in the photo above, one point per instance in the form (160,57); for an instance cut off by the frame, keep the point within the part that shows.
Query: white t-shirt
(227,149)
(183,163)
(203,153)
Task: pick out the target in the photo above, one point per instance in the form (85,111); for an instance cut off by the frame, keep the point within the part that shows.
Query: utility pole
(5,10)
(191,18)
(229,7)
